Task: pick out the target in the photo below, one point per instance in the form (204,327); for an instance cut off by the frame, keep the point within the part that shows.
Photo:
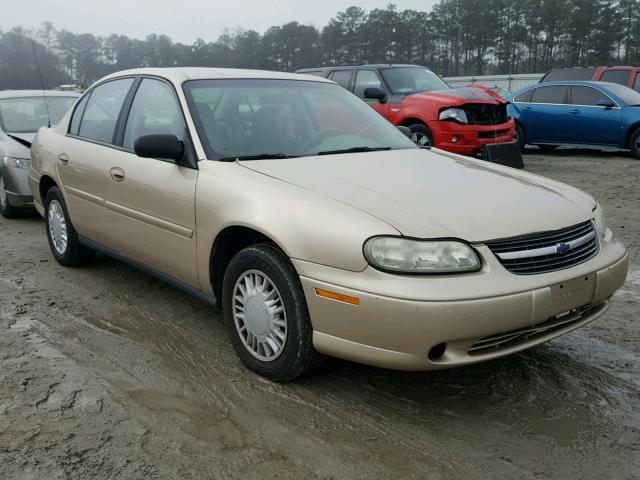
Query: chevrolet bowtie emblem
(562,248)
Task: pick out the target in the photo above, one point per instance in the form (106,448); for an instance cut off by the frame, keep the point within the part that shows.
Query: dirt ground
(107,373)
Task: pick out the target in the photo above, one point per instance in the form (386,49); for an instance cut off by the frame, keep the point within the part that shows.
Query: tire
(6,209)
(520,138)
(58,224)
(420,133)
(634,143)
(292,355)
(547,148)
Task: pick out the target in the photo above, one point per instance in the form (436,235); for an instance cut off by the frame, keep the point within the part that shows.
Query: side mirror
(406,131)
(374,93)
(606,103)
(163,146)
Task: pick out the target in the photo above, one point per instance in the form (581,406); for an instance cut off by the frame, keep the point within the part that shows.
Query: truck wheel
(63,238)
(421,135)
(519,137)
(634,143)
(266,314)
(6,209)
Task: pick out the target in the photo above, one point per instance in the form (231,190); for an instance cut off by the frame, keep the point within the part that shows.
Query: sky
(182,20)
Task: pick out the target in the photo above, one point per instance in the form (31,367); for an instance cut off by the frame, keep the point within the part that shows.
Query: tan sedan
(318,227)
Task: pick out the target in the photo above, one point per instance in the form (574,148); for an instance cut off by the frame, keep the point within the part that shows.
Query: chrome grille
(548,251)
(500,341)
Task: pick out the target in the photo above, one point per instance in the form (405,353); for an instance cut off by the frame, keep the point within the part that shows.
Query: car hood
(16,144)
(429,194)
(459,96)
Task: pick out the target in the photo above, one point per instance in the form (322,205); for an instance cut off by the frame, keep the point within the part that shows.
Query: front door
(152,202)
(590,123)
(370,79)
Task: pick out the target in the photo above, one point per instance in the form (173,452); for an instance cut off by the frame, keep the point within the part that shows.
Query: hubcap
(259,315)
(420,139)
(3,194)
(57,227)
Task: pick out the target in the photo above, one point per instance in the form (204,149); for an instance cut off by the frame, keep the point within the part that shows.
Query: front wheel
(6,209)
(421,135)
(266,314)
(634,143)
(63,238)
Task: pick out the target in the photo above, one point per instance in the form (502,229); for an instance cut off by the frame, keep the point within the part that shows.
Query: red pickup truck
(460,120)
(623,75)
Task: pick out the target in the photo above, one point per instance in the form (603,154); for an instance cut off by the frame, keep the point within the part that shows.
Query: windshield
(409,80)
(285,118)
(626,94)
(28,114)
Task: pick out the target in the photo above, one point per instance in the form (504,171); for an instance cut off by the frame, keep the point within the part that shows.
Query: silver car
(22,113)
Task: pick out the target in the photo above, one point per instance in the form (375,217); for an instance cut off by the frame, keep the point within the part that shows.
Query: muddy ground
(108,373)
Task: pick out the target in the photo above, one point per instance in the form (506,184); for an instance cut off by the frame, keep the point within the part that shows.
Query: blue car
(577,113)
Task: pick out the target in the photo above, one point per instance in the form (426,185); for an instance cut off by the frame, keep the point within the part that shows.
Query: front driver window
(366,79)
(154,110)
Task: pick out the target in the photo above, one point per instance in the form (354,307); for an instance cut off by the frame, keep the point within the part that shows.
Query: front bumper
(469,139)
(400,319)
(17,186)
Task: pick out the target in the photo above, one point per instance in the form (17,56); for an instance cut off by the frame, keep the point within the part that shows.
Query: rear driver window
(556,94)
(100,116)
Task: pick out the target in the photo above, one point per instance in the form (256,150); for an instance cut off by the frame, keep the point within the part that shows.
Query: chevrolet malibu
(317,226)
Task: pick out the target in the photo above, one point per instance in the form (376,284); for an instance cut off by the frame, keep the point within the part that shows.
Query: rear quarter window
(616,76)
(569,74)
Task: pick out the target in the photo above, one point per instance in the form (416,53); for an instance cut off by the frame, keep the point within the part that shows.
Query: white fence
(508,82)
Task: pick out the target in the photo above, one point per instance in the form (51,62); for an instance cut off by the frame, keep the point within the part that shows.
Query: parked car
(22,113)
(623,75)
(460,120)
(319,227)
(591,114)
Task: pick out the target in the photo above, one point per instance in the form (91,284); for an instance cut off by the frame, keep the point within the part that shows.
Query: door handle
(117,174)
(575,111)
(527,109)
(63,159)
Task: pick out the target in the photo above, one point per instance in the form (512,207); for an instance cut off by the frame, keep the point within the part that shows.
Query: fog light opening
(436,352)
(454,139)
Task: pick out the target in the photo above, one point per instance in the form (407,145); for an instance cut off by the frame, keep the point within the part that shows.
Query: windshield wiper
(261,156)
(354,150)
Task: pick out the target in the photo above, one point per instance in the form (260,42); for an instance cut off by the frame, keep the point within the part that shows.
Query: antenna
(46,102)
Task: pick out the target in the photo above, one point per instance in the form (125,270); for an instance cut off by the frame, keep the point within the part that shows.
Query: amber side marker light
(337,296)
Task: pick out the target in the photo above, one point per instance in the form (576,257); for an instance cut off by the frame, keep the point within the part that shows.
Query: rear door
(152,202)
(589,123)
(542,116)
(83,162)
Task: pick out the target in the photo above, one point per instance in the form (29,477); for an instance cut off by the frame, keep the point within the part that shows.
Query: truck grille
(501,341)
(548,251)
(485,113)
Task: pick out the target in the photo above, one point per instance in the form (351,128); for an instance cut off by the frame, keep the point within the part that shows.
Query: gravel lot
(108,373)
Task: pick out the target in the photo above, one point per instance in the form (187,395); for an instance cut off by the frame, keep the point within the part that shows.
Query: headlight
(23,163)
(455,114)
(599,219)
(402,255)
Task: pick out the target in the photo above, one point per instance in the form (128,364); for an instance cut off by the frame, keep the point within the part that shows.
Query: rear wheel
(266,314)
(63,238)
(6,209)
(634,143)
(519,137)
(421,135)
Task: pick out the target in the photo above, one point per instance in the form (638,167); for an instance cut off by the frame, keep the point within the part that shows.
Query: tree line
(456,37)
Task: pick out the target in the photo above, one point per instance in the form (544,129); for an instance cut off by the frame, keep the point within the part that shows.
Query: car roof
(178,75)
(379,66)
(586,83)
(36,93)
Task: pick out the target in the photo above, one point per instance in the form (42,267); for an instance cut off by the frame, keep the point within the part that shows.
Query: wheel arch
(406,122)
(45,184)
(627,137)
(228,242)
